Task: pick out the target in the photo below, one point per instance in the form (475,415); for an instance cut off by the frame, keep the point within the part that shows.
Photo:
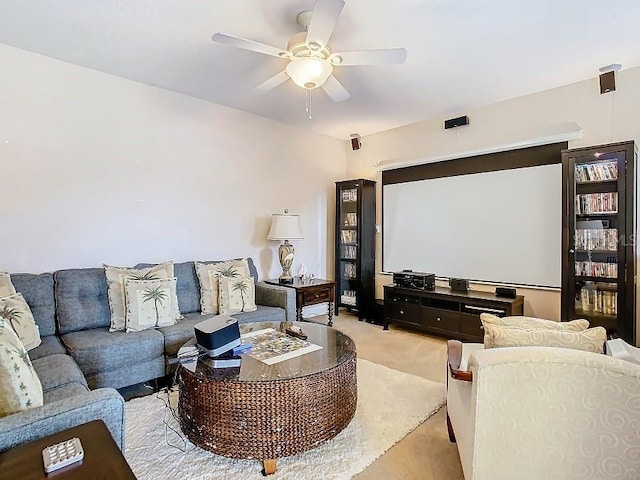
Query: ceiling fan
(311,61)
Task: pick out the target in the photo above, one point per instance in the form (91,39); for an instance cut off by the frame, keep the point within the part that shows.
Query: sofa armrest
(454,359)
(105,404)
(277,296)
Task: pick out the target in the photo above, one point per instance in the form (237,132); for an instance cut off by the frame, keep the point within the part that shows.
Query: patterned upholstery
(545,412)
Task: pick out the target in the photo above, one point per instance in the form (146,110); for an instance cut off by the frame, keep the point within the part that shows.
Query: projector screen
(499,226)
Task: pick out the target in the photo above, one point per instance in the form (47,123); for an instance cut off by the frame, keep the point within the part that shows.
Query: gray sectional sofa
(81,364)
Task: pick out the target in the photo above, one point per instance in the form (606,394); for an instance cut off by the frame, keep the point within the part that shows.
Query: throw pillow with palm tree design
(149,303)
(16,312)
(208,277)
(21,387)
(115,282)
(237,295)
(6,286)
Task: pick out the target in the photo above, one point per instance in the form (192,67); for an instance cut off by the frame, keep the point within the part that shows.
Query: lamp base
(285,253)
(285,280)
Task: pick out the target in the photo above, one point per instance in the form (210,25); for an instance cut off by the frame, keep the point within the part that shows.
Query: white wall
(604,118)
(98,169)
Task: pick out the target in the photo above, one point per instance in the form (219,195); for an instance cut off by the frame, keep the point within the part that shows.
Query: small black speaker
(459,285)
(355,142)
(456,122)
(608,82)
(506,292)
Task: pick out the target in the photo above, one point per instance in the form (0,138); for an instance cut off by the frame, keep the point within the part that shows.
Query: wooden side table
(102,457)
(311,292)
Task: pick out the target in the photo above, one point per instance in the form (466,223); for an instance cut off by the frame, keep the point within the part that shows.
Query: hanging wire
(308,103)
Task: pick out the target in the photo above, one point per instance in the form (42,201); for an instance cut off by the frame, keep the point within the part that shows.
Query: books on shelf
(348,236)
(350,270)
(598,300)
(596,239)
(349,297)
(350,252)
(350,219)
(350,195)
(596,172)
(597,269)
(597,203)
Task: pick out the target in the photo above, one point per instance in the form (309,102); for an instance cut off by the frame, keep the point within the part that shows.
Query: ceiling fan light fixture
(310,72)
(335,59)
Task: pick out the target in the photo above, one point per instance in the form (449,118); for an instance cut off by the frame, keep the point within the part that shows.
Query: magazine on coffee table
(271,346)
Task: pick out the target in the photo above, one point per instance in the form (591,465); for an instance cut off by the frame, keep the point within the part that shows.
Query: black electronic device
(217,335)
(417,280)
(459,285)
(506,292)
(456,122)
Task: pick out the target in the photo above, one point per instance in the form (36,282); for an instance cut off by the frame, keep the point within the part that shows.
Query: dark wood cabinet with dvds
(446,313)
(355,247)
(598,237)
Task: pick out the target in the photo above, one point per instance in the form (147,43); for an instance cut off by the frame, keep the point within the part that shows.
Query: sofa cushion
(590,340)
(70,390)
(208,279)
(81,299)
(50,345)
(150,303)
(38,292)
(20,387)
(15,310)
(57,370)
(6,287)
(116,277)
(97,350)
(262,314)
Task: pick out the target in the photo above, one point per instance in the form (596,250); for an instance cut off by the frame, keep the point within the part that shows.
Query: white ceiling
(461,53)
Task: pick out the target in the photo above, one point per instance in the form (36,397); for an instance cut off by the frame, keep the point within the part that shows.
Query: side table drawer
(316,296)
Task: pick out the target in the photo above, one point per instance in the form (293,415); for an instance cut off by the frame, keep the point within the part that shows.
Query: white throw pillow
(16,312)
(237,295)
(150,303)
(530,323)
(20,386)
(115,282)
(6,287)
(208,274)
(590,340)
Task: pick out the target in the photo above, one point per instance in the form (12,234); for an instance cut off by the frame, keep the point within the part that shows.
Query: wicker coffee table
(265,412)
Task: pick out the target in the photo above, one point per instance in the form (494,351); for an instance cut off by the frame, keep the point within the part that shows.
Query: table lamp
(285,227)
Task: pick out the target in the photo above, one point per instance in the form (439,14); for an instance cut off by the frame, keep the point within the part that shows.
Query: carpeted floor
(390,405)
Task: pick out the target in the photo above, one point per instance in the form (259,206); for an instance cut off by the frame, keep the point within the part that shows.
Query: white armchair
(543,413)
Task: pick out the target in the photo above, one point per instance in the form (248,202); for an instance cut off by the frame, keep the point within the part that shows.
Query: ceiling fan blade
(335,89)
(231,41)
(272,82)
(323,20)
(387,56)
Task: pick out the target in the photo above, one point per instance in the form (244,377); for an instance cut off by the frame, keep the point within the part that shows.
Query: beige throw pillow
(237,295)
(590,340)
(16,312)
(208,274)
(530,323)
(6,287)
(115,282)
(150,303)
(20,387)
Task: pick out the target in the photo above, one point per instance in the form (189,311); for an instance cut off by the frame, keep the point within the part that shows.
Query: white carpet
(390,405)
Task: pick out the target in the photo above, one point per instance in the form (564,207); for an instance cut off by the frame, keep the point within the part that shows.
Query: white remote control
(62,454)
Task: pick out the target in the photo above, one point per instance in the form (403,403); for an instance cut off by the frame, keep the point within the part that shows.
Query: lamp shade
(309,72)
(285,227)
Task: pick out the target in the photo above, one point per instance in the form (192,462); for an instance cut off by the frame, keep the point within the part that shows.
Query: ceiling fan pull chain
(308,102)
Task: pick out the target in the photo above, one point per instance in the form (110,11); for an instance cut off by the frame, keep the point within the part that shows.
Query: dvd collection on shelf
(597,203)
(349,297)
(596,172)
(349,270)
(597,300)
(348,236)
(597,269)
(350,219)
(350,252)
(350,195)
(597,239)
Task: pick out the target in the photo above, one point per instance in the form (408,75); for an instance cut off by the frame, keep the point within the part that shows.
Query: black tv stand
(444,312)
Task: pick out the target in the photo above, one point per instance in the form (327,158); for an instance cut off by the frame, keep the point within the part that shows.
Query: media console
(446,313)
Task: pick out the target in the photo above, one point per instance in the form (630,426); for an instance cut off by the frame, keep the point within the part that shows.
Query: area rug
(390,405)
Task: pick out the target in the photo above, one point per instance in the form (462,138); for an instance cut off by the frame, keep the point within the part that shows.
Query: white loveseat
(543,413)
